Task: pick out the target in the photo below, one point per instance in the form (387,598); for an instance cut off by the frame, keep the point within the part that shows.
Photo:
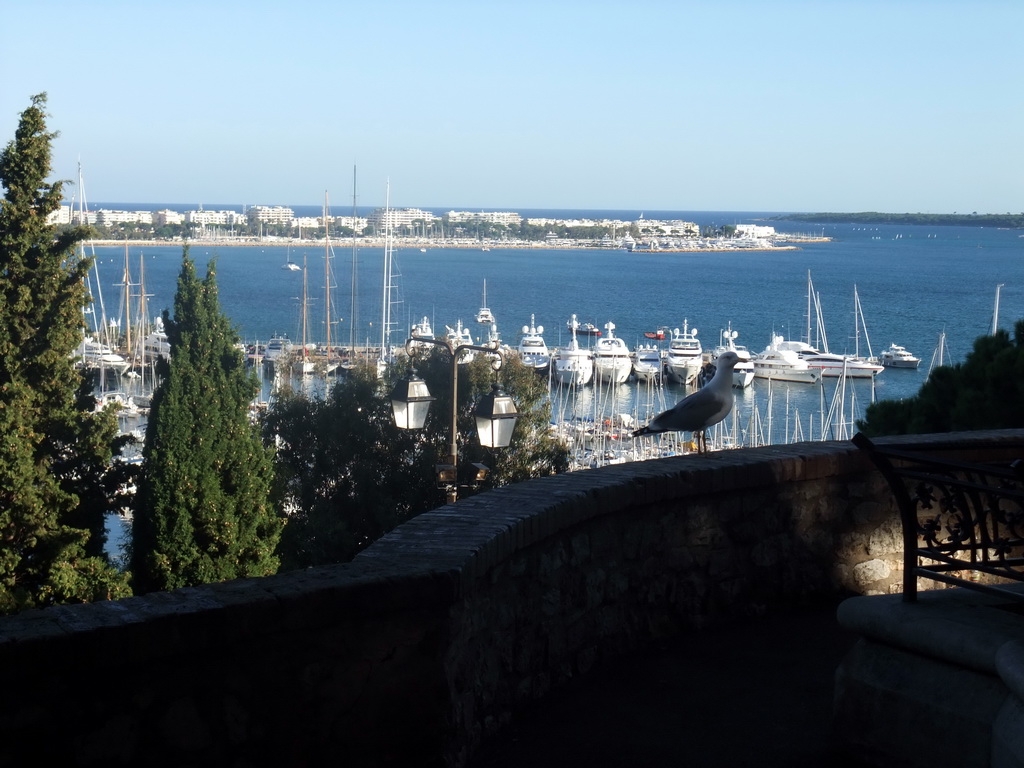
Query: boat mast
(355,272)
(385,325)
(995,311)
(327,276)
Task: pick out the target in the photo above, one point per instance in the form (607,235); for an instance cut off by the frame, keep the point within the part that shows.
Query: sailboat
(329,364)
(304,365)
(484,316)
(289,264)
(939,355)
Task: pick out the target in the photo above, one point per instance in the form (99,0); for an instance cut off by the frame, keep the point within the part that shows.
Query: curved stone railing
(425,644)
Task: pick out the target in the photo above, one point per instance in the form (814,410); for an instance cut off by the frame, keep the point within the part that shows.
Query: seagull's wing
(691,413)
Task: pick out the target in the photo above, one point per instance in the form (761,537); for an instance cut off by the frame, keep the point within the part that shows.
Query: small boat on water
(662,333)
(572,365)
(898,357)
(685,355)
(612,362)
(532,349)
(485,316)
(587,329)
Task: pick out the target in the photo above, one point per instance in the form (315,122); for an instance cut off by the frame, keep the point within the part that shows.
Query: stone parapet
(428,641)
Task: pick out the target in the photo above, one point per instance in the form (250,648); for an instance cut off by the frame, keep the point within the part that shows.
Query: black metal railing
(963,522)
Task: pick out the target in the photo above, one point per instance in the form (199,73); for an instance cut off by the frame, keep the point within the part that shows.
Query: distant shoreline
(431,245)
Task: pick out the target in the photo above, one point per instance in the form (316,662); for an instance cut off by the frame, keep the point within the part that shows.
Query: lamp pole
(448,473)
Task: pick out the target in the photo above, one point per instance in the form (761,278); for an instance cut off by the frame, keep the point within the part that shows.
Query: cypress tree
(55,451)
(203,509)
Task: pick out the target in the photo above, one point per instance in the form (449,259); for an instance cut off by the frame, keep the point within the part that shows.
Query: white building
(668,228)
(61,216)
(275,214)
(755,231)
(215,218)
(166,217)
(382,218)
(107,218)
(508,218)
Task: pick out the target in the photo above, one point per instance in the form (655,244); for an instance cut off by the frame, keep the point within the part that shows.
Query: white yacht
(572,364)
(898,357)
(97,355)
(532,349)
(485,316)
(743,372)
(276,348)
(835,365)
(685,356)
(612,363)
(421,330)
(647,362)
(783,365)
(460,336)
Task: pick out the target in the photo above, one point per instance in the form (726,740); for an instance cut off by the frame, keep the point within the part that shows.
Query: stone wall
(427,642)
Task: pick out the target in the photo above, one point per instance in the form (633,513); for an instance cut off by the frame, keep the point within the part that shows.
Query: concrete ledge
(932,683)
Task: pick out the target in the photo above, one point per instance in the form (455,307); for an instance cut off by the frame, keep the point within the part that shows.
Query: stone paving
(758,693)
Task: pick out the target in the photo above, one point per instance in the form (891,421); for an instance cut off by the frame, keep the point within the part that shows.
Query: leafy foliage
(203,511)
(56,482)
(349,475)
(986,391)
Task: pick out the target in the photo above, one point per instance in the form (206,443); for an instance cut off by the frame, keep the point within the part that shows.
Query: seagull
(704,408)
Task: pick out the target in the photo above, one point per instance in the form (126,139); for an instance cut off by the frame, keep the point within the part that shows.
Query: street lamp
(495,414)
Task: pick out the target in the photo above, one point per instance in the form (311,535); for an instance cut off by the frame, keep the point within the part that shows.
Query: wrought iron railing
(963,523)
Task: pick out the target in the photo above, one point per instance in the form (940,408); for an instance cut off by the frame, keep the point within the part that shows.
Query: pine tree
(203,510)
(986,391)
(55,452)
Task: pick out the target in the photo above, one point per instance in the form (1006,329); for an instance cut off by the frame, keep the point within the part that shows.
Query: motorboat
(484,316)
(743,371)
(662,333)
(532,349)
(419,331)
(898,357)
(277,347)
(647,362)
(612,361)
(685,355)
(832,364)
(587,329)
(97,355)
(460,336)
(572,365)
(783,365)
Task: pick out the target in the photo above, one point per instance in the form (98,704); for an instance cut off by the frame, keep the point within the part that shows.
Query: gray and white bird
(704,408)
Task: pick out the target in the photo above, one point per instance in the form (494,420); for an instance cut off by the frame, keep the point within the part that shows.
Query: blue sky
(908,105)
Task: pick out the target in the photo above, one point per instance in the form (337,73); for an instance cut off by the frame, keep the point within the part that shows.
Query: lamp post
(495,414)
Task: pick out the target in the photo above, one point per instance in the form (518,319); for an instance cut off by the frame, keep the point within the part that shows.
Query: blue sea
(914,283)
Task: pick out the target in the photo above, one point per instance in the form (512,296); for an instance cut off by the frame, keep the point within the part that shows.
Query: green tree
(203,511)
(986,391)
(55,451)
(348,474)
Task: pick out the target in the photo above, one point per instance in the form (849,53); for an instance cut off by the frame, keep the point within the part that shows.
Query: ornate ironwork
(963,523)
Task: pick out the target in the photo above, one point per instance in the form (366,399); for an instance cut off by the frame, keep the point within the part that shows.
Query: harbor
(946,281)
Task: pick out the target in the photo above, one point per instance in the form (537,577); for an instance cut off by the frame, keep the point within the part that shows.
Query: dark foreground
(756,694)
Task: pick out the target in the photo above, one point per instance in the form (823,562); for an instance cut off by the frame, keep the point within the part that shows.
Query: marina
(762,295)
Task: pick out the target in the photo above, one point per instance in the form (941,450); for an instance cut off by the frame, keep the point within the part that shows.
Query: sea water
(914,283)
